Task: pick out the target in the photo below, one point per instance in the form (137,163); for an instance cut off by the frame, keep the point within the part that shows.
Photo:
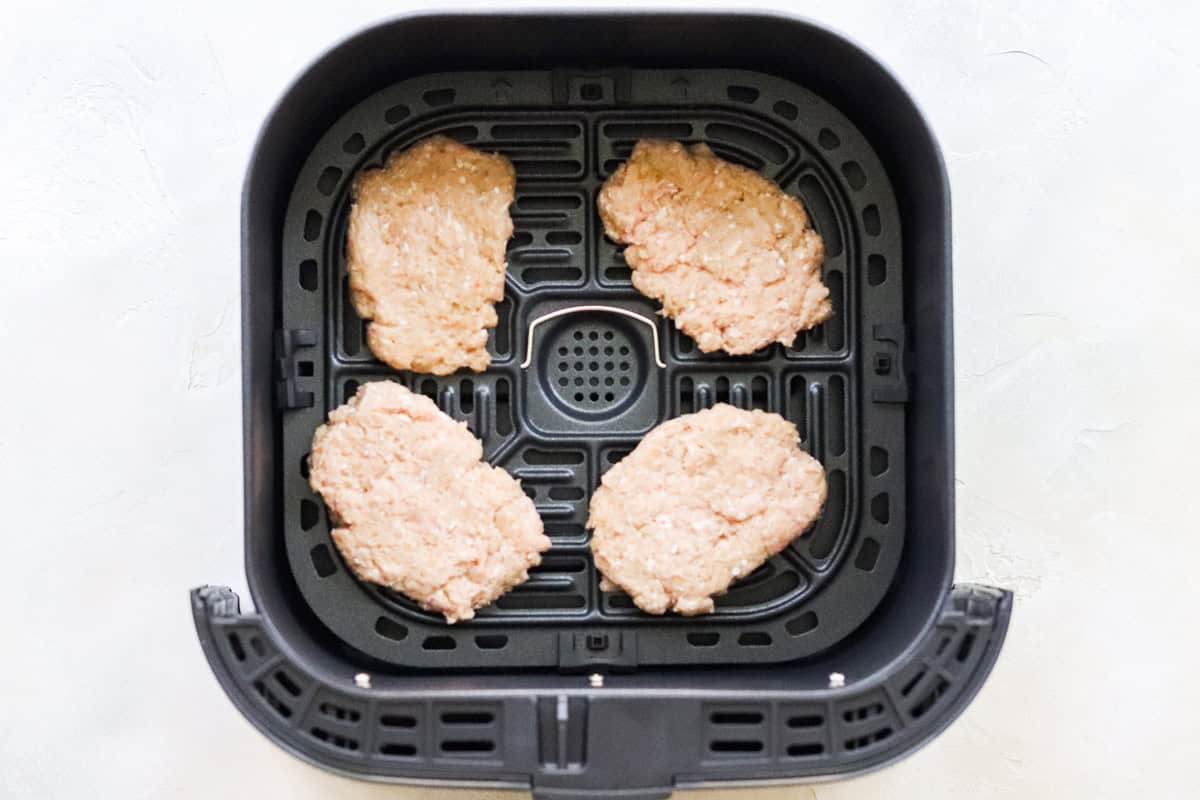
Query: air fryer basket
(812,666)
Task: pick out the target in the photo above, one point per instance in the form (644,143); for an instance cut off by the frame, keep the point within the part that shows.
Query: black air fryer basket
(847,651)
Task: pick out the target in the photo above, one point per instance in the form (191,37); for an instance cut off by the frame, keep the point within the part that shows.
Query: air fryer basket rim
(324,669)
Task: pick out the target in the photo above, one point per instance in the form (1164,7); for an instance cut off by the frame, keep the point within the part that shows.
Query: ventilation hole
(722,390)
(555,598)
(943,644)
(438,97)
(395,114)
(398,721)
(272,700)
(304,369)
(614,456)
(468,718)
(594,396)
(563,529)
(964,648)
(880,509)
(624,381)
(328,180)
(397,749)
(876,269)
(429,388)
(624,364)
(805,750)
(354,144)
(736,746)
(619,274)
(836,419)
(286,682)
(530,492)
(566,493)
(822,540)
(820,209)
(579,381)
(828,139)
(868,554)
(591,92)
(797,410)
(468,746)
(438,643)
(871,223)
(548,202)
(833,327)
(304,466)
(491,641)
(802,624)
(862,712)
(754,639)
(742,94)
(390,629)
(352,326)
(340,713)
(322,561)
(235,644)
(542,132)
(687,396)
(593,366)
(863,741)
(703,639)
(928,701)
(806,721)
(550,274)
(340,742)
(308,275)
(879,461)
(546,169)
(786,110)
(563,237)
(543,457)
(312,225)
(579,397)
(751,140)
(608,365)
(623,351)
(257,646)
(466,397)
(758,393)
(685,345)
(309,514)
(519,239)
(854,175)
(609,396)
(736,717)
(906,690)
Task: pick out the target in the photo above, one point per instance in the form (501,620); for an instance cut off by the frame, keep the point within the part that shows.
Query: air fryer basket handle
(600,742)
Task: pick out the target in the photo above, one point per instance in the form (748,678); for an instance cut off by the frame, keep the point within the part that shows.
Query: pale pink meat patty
(703,500)
(426,254)
(415,507)
(730,255)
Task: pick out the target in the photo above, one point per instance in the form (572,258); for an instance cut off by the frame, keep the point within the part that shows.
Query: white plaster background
(1070,130)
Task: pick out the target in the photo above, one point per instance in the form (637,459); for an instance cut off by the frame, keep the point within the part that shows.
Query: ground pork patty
(730,255)
(425,249)
(703,500)
(415,507)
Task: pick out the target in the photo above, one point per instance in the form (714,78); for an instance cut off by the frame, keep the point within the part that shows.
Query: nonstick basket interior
(594,386)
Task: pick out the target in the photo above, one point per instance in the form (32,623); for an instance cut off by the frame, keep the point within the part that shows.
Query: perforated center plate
(594,367)
(593,388)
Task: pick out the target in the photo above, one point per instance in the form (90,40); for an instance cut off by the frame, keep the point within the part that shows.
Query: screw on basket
(562,312)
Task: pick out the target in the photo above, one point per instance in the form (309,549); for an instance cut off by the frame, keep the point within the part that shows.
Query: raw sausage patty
(730,255)
(426,247)
(416,509)
(703,500)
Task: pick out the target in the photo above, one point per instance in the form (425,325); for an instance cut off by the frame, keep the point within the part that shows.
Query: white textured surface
(1070,130)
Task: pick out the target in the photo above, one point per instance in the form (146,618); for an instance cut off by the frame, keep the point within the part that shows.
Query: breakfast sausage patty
(703,500)
(730,255)
(414,506)
(425,249)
